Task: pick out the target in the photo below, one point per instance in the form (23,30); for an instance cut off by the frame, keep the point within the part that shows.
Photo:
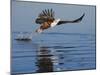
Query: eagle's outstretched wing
(72,21)
(45,15)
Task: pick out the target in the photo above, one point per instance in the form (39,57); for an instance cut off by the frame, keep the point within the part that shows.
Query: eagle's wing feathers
(72,21)
(45,15)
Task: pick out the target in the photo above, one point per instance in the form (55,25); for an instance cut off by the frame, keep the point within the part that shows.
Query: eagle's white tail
(55,22)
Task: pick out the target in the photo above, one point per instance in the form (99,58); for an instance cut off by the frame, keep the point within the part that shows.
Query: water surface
(49,52)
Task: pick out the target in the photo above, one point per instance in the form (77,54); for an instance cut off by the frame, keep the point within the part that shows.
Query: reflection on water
(44,60)
(52,53)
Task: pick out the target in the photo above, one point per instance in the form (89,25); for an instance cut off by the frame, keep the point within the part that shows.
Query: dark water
(49,52)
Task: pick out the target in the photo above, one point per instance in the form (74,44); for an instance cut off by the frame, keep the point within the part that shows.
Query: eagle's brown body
(46,25)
